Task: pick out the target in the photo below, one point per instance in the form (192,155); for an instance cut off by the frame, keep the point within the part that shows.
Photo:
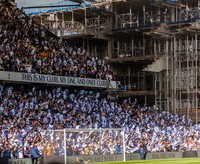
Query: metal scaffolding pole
(188,75)
(167,74)
(196,76)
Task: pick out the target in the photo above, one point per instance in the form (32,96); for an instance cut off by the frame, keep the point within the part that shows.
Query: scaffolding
(154,47)
(177,86)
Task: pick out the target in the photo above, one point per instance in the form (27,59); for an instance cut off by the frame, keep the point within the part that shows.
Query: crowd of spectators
(27,46)
(29,115)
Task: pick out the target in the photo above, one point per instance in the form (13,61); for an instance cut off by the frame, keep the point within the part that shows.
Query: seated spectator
(80,161)
(82,73)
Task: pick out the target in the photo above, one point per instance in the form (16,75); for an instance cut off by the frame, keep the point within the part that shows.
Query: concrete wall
(198,153)
(102,158)
(164,155)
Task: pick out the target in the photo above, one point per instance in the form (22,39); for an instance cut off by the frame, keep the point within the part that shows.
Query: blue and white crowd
(30,114)
(27,46)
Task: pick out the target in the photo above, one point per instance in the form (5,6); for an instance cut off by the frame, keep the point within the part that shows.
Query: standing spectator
(49,150)
(35,154)
(118,149)
(7,151)
(142,153)
(26,152)
(145,150)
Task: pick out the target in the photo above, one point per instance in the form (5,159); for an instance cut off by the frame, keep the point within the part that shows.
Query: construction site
(153,46)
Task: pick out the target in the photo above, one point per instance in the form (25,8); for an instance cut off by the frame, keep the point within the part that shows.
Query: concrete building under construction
(153,45)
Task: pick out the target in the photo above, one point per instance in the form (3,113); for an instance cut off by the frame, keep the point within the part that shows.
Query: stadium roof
(42,6)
